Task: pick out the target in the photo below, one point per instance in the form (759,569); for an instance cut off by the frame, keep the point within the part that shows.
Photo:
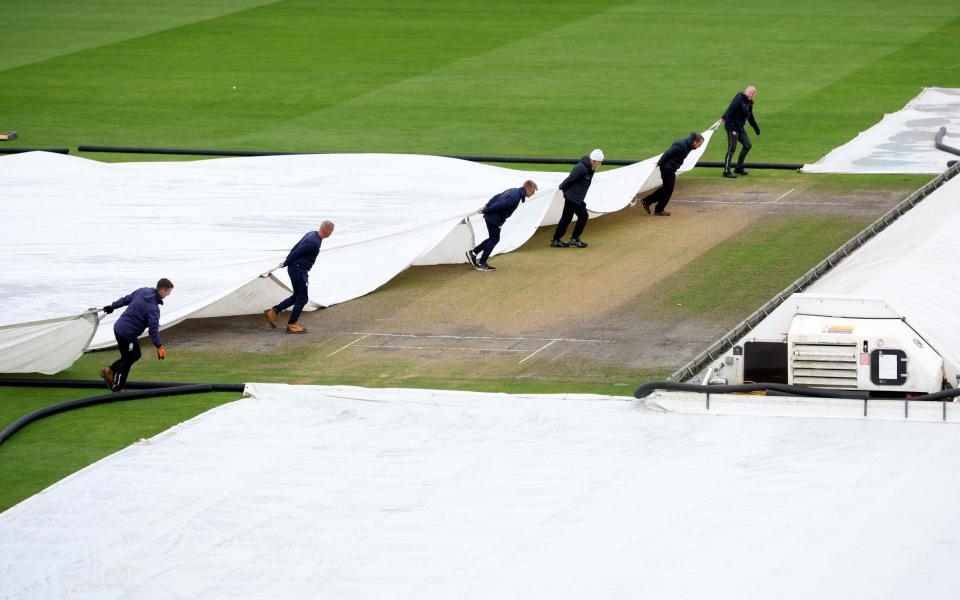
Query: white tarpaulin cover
(52,341)
(903,142)
(77,233)
(334,492)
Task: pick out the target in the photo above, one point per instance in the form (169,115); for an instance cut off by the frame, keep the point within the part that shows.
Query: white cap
(597,154)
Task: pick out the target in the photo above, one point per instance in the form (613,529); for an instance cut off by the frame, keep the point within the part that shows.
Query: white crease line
(724,201)
(476,337)
(382,347)
(768,203)
(559,355)
(785,194)
(543,347)
(745,194)
(348,345)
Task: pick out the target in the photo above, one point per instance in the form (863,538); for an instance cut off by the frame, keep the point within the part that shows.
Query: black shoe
(729,175)
(485,267)
(558,244)
(472,258)
(646,206)
(740,171)
(576,243)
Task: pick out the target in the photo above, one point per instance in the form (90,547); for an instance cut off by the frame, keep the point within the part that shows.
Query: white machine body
(834,342)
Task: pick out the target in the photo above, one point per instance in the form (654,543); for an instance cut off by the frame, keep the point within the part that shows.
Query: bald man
(735,121)
(298,263)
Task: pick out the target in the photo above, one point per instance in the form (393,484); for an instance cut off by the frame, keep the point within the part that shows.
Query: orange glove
(161,352)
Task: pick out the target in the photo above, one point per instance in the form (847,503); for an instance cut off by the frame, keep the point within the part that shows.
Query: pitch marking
(784,195)
(535,352)
(348,345)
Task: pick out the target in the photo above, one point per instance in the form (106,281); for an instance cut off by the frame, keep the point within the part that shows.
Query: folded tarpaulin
(48,346)
(80,233)
(904,141)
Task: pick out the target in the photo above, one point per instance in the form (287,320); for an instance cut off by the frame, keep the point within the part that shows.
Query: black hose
(648,388)
(133,385)
(150,390)
(181,151)
(792,390)
(941,395)
(531,160)
(938,140)
(759,165)
(22,150)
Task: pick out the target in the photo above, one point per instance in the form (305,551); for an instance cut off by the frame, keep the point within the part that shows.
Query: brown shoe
(294,328)
(271,316)
(661,214)
(107,375)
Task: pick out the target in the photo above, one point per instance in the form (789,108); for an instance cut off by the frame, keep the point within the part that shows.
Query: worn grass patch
(740,274)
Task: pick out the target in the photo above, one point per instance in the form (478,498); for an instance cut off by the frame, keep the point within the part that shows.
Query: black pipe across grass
(22,150)
(147,389)
(532,160)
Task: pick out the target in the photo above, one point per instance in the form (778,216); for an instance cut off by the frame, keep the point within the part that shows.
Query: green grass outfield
(522,78)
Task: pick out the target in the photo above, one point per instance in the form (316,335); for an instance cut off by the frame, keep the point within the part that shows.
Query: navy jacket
(500,207)
(738,113)
(304,253)
(577,183)
(673,158)
(143,312)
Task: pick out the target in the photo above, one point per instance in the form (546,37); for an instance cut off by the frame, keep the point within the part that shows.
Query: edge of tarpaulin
(54,319)
(89,314)
(811,167)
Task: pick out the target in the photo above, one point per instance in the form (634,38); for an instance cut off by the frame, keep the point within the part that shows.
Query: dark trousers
(662,195)
(299,278)
(129,354)
(486,246)
(570,209)
(732,138)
